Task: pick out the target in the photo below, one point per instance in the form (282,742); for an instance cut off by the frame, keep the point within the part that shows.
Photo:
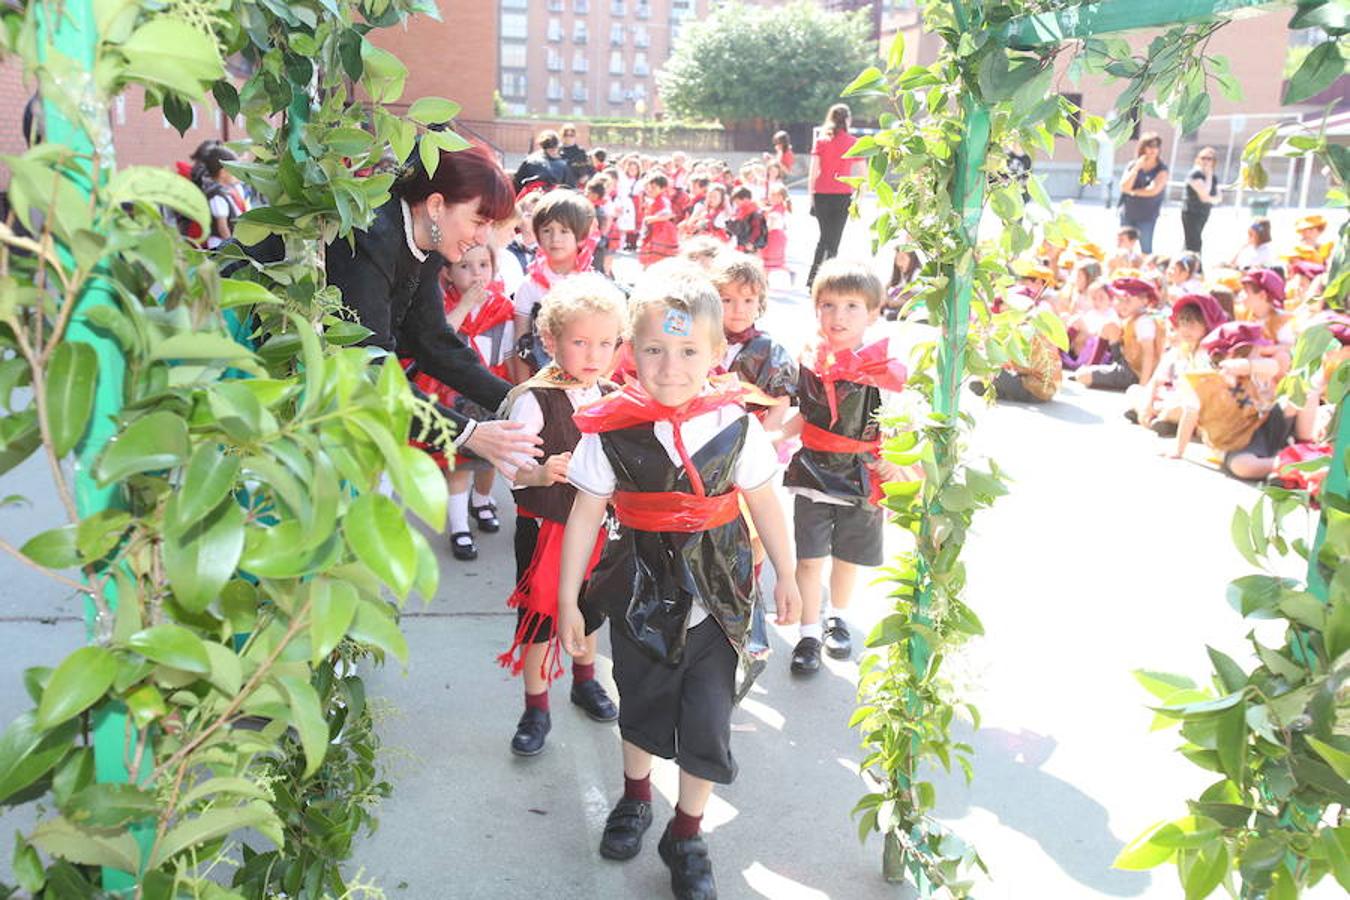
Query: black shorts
(1269,438)
(1113,376)
(850,533)
(680,712)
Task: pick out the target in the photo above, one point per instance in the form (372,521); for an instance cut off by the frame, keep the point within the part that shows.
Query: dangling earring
(434,230)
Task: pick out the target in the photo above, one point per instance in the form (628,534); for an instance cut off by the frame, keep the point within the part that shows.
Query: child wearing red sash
(837,474)
(659,237)
(579,323)
(481,314)
(674,453)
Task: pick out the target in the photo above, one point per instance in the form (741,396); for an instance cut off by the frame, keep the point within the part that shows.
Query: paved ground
(1105,558)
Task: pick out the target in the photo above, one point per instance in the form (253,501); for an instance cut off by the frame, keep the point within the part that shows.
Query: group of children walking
(666,417)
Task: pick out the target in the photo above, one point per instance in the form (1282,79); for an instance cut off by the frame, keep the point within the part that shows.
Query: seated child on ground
(1158,403)
(1136,343)
(1262,302)
(673,453)
(579,323)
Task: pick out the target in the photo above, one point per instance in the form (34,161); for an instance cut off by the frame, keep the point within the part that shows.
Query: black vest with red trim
(647,581)
(842,475)
(559,435)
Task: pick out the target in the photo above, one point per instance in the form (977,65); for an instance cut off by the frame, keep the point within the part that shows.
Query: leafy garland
(242,568)
(906,706)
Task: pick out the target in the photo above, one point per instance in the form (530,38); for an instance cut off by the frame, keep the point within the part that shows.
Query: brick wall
(455,58)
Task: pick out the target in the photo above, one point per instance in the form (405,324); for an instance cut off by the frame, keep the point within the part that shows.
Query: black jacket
(399,300)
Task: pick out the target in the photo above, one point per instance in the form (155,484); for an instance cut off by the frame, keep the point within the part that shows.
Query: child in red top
(481,314)
(774,253)
(710,216)
(659,237)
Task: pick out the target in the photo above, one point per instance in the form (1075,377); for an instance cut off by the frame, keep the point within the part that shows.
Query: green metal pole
(68,28)
(1337,483)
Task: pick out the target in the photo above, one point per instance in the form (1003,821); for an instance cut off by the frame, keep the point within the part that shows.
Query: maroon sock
(537,701)
(582,672)
(638,788)
(684,826)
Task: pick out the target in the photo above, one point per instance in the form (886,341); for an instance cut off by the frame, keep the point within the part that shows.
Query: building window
(641,36)
(555,29)
(553,109)
(640,64)
(616,92)
(579,31)
(555,91)
(580,62)
(578,110)
(518,109)
(644,10)
(554,60)
(515,25)
(581,6)
(513,55)
(555,5)
(616,35)
(579,93)
(617,8)
(513,84)
(515,4)
(639,91)
(616,62)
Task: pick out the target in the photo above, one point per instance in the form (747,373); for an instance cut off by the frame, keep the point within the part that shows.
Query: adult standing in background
(1202,194)
(1142,189)
(577,159)
(830,197)
(545,164)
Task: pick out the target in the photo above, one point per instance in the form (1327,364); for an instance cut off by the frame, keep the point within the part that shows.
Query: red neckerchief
(493,311)
(870,365)
(543,275)
(631,405)
(742,337)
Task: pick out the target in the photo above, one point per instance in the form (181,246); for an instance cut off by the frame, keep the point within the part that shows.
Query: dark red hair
(461,176)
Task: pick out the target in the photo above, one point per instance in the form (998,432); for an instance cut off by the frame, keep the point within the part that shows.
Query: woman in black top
(1202,193)
(1141,189)
(390,279)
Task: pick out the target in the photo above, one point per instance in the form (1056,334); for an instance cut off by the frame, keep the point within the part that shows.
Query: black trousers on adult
(831,212)
(1193,223)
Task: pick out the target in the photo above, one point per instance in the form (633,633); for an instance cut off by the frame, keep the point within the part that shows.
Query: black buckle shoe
(691,876)
(838,642)
(592,698)
(628,821)
(485,517)
(462,546)
(531,730)
(806,657)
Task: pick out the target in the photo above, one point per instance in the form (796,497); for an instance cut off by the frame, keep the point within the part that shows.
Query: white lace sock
(459,512)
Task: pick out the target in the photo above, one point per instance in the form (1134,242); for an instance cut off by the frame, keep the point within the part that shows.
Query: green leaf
(313,368)
(1231,676)
(200,559)
(895,56)
(374,624)
(146,705)
(201,346)
(110,805)
(166,51)
(1256,596)
(1162,684)
(211,825)
(28,752)
(378,534)
(159,186)
(307,719)
(209,477)
(1207,870)
(97,535)
(227,672)
(334,606)
(1336,843)
(1141,853)
(27,865)
(80,681)
(870,81)
(155,441)
(382,73)
(235,292)
(1339,760)
(72,376)
(59,837)
(1231,742)
(433,110)
(421,485)
(1319,69)
(55,548)
(172,645)
(1186,833)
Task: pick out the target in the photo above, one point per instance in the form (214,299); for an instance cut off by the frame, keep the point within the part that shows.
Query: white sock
(814,630)
(833,612)
(459,512)
(481,499)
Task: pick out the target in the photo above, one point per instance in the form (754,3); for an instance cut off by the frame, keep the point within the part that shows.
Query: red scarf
(870,365)
(543,274)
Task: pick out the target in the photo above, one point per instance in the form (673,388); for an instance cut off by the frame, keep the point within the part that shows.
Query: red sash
(823,441)
(675,510)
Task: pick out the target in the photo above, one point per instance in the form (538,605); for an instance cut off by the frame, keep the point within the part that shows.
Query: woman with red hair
(390,277)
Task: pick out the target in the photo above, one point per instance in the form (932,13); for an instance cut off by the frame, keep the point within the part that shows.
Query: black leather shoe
(806,657)
(691,876)
(838,642)
(485,517)
(531,730)
(591,697)
(462,546)
(628,821)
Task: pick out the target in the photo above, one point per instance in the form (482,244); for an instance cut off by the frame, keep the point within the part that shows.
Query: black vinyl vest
(842,475)
(765,363)
(646,581)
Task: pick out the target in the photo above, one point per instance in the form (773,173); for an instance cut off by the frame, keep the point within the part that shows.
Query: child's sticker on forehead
(678,323)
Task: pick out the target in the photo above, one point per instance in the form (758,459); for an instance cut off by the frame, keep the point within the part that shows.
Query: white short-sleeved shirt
(527,295)
(527,412)
(509,270)
(591,473)
(1145,329)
